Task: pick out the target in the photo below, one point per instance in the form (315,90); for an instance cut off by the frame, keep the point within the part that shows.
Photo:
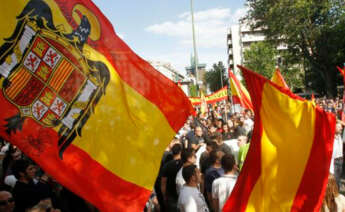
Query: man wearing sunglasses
(6,201)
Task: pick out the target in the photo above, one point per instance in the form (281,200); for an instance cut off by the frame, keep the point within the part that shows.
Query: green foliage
(313,30)
(193,91)
(214,78)
(262,58)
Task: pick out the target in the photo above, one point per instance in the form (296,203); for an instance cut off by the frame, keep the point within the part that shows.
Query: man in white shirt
(190,199)
(337,156)
(222,187)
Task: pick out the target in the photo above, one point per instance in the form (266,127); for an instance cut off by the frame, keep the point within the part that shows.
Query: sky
(161,30)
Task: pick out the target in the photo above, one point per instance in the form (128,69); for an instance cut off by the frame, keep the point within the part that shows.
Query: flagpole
(194,47)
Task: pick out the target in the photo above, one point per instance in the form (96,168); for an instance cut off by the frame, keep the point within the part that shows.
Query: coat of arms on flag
(47,77)
(81,104)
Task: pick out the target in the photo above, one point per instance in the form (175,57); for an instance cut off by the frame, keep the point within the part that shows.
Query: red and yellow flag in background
(78,101)
(278,79)
(287,165)
(220,95)
(239,93)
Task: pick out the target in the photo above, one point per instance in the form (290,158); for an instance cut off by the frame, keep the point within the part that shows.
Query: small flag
(287,165)
(239,93)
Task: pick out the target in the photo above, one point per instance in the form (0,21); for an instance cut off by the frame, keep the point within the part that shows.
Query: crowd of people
(198,169)
(24,187)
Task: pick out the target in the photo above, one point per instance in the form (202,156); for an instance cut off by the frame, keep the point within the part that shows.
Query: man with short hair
(188,158)
(190,199)
(168,183)
(6,201)
(214,172)
(26,193)
(204,161)
(222,186)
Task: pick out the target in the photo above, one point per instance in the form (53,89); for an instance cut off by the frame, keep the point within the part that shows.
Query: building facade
(239,39)
(170,72)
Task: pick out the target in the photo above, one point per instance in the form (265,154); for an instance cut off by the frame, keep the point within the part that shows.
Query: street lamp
(194,46)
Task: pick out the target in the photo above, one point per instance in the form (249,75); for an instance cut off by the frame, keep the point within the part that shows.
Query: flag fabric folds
(79,102)
(278,79)
(239,93)
(287,164)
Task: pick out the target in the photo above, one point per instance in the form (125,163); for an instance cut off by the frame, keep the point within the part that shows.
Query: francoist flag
(288,161)
(278,79)
(78,101)
(239,93)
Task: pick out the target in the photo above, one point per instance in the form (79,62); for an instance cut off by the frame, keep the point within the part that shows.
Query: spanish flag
(278,79)
(78,101)
(288,161)
(239,93)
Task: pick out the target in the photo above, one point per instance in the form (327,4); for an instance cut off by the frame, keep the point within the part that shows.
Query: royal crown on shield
(47,76)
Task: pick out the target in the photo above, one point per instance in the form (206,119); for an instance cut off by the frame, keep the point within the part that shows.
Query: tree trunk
(330,82)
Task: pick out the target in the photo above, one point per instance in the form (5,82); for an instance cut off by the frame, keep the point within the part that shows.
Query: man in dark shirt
(213,172)
(26,193)
(168,183)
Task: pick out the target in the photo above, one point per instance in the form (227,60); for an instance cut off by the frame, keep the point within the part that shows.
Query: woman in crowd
(333,201)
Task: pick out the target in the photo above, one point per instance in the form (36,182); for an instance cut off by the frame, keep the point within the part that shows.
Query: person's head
(230,123)
(331,192)
(248,113)
(14,153)
(216,157)
(23,170)
(225,128)
(338,128)
(173,142)
(198,131)
(191,174)
(211,145)
(6,201)
(242,140)
(44,206)
(176,149)
(212,129)
(228,163)
(188,156)
(219,123)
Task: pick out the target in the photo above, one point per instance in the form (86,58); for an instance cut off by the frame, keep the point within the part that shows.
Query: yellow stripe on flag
(130,115)
(280,163)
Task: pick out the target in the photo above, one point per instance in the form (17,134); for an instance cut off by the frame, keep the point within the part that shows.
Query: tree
(193,92)
(262,57)
(313,31)
(214,78)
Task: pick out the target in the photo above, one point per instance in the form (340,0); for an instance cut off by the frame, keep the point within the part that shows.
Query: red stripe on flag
(251,169)
(314,175)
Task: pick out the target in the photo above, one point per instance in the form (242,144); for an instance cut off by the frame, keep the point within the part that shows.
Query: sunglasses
(6,202)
